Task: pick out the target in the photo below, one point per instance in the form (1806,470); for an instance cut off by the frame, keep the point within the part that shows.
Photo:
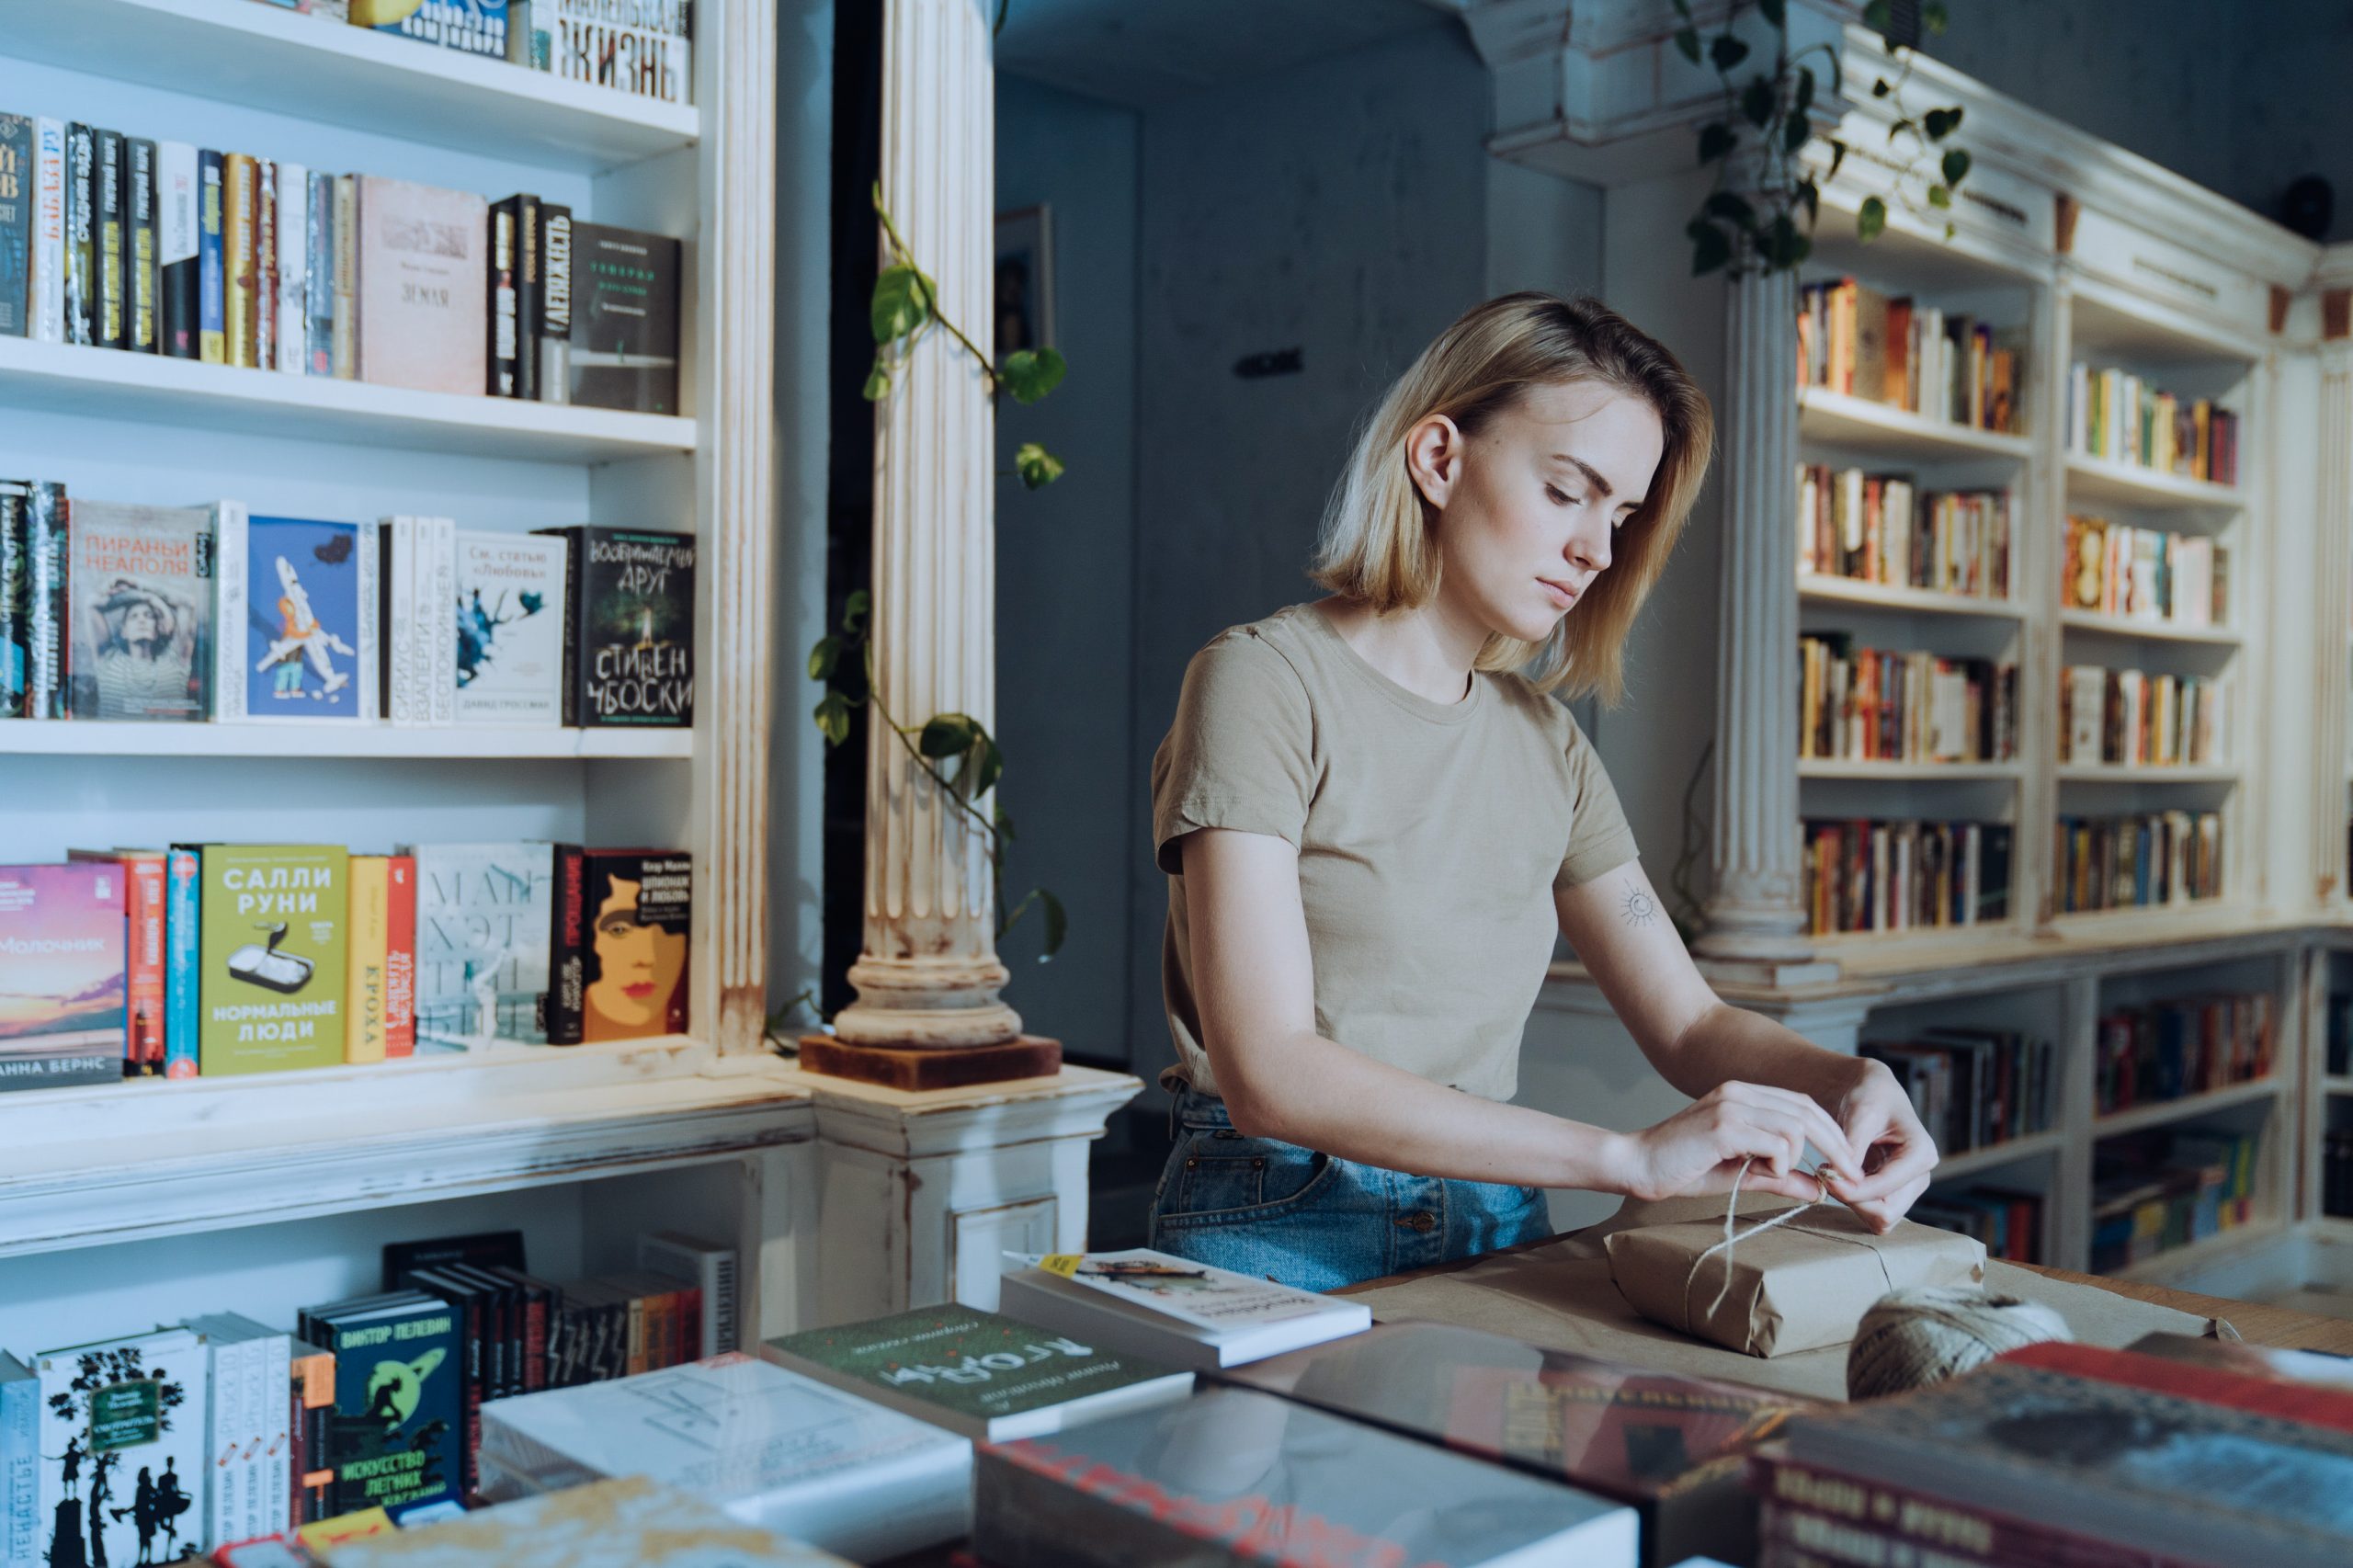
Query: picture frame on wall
(1023,296)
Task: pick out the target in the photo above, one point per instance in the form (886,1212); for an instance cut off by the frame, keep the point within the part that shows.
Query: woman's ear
(1434,457)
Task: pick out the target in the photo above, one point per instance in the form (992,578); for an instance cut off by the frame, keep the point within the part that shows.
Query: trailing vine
(1761,229)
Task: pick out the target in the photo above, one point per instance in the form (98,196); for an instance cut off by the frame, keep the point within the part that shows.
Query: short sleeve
(1600,838)
(1239,754)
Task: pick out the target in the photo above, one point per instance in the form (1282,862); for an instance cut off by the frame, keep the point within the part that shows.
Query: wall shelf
(1818,588)
(1858,424)
(2146,772)
(2105,479)
(2151,630)
(1976,1162)
(75,737)
(1844,768)
(2163,1112)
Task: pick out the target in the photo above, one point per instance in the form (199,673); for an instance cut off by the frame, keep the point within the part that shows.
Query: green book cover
(270,994)
(395,1434)
(980,1366)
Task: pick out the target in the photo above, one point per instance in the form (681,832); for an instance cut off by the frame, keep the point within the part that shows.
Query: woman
(1373,828)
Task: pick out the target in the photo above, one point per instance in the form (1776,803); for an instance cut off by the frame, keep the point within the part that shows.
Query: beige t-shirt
(1430,837)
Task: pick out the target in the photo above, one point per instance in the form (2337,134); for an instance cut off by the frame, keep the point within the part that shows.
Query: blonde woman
(1374,817)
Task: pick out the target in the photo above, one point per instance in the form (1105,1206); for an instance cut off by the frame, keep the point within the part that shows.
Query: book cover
(529,243)
(16,141)
(975,1372)
(629,1522)
(481,1248)
(178,203)
(510,629)
(503,285)
(144,911)
(706,1266)
(639,908)
(346,334)
(392,1435)
(422,295)
(568,946)
(44,503)
(124,1427)
(273,957)
(551,305)
(400,956)
(139,596)
(16,600)
(138,252)
(309,619)
(211,262)
(484,915)
(1214,1304)
(20,1533)
(1234,1477)
(629,633)
(48,303)
(370,898)
(292,230)
(319,272)
(81,234)
(265,263)
(625,319)
(472,26)
(113,327)
(240,182)
(64,966)
(183,953)
(643,49)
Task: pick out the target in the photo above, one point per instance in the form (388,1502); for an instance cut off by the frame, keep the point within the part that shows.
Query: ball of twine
(1914,1337)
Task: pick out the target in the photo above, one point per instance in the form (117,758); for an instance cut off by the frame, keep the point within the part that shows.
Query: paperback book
(511,630)
(140,592)
(1171,1309)
(622,922)
(628,629)
(392,1435)
(422,299)
(122,1444)
(484,915)
(298,620)
(270,992)
(624,319)
(63,974)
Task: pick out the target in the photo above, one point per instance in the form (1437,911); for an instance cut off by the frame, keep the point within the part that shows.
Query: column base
(913,1068)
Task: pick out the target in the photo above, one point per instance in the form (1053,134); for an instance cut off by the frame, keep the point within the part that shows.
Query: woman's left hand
(1898,1154)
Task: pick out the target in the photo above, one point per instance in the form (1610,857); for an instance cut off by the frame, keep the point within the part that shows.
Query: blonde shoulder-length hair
(1379,544)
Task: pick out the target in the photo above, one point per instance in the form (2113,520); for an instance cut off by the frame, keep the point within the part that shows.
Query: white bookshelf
(2096,480)
(1861,425)
(90,738)
(2135,627)
(1818,588)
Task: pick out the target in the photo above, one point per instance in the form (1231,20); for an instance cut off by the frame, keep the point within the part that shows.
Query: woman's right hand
(1700,1148)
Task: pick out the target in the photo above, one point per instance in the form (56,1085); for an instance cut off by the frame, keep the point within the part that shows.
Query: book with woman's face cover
(139,596)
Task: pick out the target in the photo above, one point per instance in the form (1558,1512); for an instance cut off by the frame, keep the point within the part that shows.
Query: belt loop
(1172,1116)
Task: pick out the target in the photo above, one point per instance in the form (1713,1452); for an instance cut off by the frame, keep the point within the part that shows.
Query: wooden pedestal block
(937,1067)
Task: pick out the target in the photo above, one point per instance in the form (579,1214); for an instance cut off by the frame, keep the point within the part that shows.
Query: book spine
(222,1502)
(400,956)
(568,947)
(274,1376)
(45,544)
(575,563)
(146,896)
(265,304)
(81,234)
(398,601)
(293,252)
(112,330)
(369,925)
(500,265)
(20,1470)
(177,199)
(14,584)
(371,658)
(318,271)
(527,291)
(16,225)
(228,626)
(551,315)
(139,256)
(1789,1491)
(313,1403)
(238,178)
(48,310)
(212,264)
(443,612)
(347,278)
(181,946)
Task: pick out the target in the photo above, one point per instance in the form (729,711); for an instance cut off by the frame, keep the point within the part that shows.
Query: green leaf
(1837,156)
(1798,134)
(1870,219)
(1881,87)
(1776,12)
(1939,197)
(1728,204)
(1716,138)
(1726,52)
(1030,373)
(854,610)
(988,764)
(1933,16)
(1956,165)
(1783,244)
(1875,14)
(1687,41)
(1900,127)
(1805,89)
(833,718)
(1710,248)
(823,656)
(902,305)
(1756,102)
(1811,194)
(1037,466)
(1057,924)
(1003,820)
(945,734)
(877,382)
(1941,122)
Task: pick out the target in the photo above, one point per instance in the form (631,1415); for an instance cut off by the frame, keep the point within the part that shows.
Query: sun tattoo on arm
(1640,908)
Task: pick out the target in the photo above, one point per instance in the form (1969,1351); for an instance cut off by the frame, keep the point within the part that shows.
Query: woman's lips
(1562,597)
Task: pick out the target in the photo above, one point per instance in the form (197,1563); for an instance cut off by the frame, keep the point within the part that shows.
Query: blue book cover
(212,305)
(309,627)
(475,27)
(183,941)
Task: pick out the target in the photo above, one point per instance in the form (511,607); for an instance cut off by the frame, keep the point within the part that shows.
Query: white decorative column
(1755,920)
(929,974)
(2331,569)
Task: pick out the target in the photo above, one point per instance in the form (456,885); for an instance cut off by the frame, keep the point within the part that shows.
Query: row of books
(2155,1191)
(2133,717)
(2144,574)
(2007,1222)
(224,1429)
(1869,704)
(2132,862)
(1903,875)
(1853,338)
(640,47)
(1973,1087)
(2115,415)
(1876,528)
(2188,1045)
(220,959)
(185,614)
(163,247)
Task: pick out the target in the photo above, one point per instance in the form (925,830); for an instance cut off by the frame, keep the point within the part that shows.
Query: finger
(1788,1184)
(1766,1132)
(1908,1159)
(1883,1214)
(1839,1151)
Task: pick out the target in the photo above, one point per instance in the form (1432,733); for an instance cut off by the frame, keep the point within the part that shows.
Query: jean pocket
(1221,1178)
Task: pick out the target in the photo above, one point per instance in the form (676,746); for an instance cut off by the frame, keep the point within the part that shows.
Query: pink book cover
(424,296)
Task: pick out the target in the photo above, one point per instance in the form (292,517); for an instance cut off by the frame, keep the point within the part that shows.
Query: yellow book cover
(370,934)
(237,259)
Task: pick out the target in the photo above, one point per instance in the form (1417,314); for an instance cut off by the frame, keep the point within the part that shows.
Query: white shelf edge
(2163,1112)
(1971,1161)
(2175,1262)
(2131,484)
(1908,772)
(2153,631)
(2146,772)
(1840,416)
(76,737)
(1826,588)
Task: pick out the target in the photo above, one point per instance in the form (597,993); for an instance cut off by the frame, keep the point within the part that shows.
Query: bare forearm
(1311,1090)
(1727,1042)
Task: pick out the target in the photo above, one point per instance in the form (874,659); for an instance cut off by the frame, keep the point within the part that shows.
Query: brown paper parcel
(1799,1286)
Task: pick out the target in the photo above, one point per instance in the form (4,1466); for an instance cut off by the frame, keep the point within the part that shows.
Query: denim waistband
(1190,1107)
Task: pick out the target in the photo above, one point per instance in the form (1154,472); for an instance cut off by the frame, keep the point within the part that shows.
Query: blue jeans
(1261,1207)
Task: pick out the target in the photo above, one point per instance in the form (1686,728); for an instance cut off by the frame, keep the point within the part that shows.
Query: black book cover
(1994,872)
(502,1359)
(625,319)
(471,1303)
(16,224)
(46,555)
(568,946)
(113,329)
(628,629)
(15,601)
(81,234)
(539,1300)
(138,255)
(178,195)
(527,291)
(499,262)
(395,1433)
(482,1248)
(551,309)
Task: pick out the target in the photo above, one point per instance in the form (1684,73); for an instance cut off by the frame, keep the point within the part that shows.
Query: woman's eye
(1558,498)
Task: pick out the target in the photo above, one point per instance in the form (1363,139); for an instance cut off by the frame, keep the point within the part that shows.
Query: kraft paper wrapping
(1803,1285)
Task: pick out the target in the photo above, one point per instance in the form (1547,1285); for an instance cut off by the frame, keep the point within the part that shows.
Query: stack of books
(1973,1087)
(2155,1191)
(1854,339)
(2115,569)
(1903,875)
(1869,704)
(2188,1045)
(2139,720)
(2156,857)
(2008,1222)
(2115,415)
(640,47)
(1873,528)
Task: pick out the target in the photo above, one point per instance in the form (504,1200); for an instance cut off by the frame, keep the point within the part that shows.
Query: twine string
(1731,1215)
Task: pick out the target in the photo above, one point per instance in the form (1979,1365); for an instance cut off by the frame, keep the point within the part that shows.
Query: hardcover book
(622,923)
(371,930)
(298,618)
(178,205)
(212,261)
(124,1424)
(392,1437)
(631,1522)
(81,234)
(240,188)
(291,322)
(17,140)
(63,974)
(1233,1477)
(644,48)
(1172,1309)
(47,304)
(41,507)
(319,272)
(15,601)
(421,293)
(511,630)
(138,594)
(625,319)
(139,251)
(113,328)
(484,914)
(630,628)
(551,308)
(978,1373)
(273,956)
(145,912)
